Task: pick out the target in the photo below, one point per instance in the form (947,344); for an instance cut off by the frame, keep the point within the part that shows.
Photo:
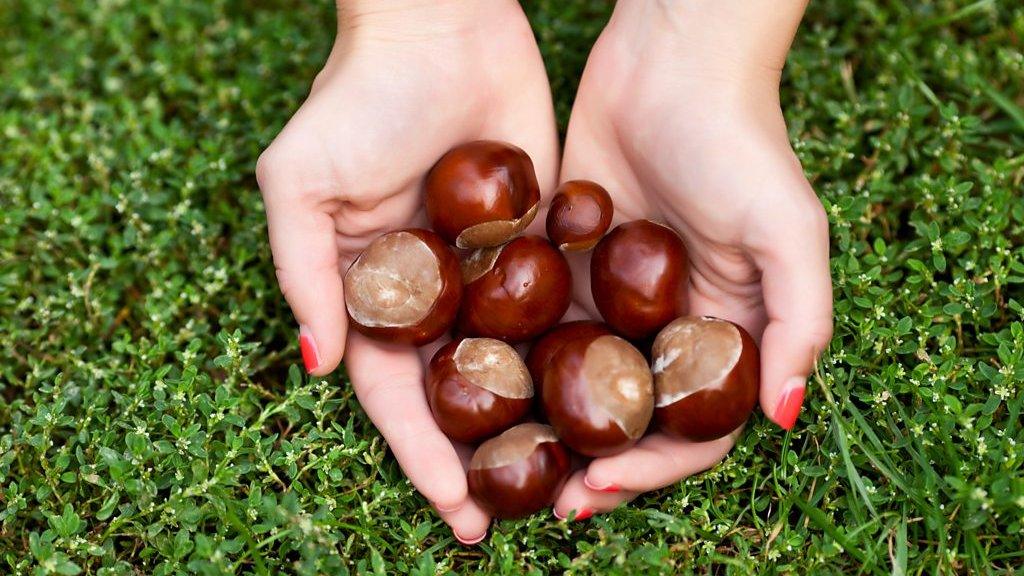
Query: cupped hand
(701,145)
(406,81)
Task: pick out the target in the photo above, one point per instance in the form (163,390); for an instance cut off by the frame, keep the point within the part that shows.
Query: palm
(725,178)
(349,166)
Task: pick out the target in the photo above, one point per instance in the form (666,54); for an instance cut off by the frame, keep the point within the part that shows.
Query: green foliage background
(152,419)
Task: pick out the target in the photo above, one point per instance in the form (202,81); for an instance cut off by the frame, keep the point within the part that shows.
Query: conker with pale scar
(706,377)
(481,194)
(476,388)
(598,394)
(404,288)
(545,348)
(638,277)
(519,472)
(580,213)
(514,292)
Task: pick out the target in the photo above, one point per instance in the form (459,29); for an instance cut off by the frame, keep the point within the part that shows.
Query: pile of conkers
(585,387)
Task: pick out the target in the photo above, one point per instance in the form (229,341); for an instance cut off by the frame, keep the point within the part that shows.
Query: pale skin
(677,115)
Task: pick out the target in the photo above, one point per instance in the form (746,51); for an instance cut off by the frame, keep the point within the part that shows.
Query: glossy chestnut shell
(476,388)
(481,194)
(404,288)
(514,292)
(598,395)
(545,348)
(638,277)
(519,472)
(706,377)
(580,213)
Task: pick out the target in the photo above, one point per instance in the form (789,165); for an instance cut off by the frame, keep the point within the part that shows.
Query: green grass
(152,419)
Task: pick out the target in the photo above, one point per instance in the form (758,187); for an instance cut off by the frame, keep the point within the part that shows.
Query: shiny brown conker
(514,292)
(706,377)
(476,388)
(598,394)
(519,472)
(404,288)
(545,348)
(481,194)
(638,277)
(580,213)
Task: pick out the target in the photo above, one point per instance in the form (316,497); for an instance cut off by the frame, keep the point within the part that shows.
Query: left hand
(701,146)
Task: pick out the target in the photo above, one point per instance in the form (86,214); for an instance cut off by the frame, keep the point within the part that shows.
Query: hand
(683,131)
(406,81)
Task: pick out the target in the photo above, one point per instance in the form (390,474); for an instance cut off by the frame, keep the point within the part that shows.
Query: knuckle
(379,387)
(809,215)
(817,219)
(400,432)
(284,281)
(821,333)
(267,165)
(287,175)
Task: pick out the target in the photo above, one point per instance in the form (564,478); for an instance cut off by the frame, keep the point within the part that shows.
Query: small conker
(477,387)
(706,377)
(638,277)
(404,288)
(514,292)
(519,472)
(598,394)
(580,213)
(481,194)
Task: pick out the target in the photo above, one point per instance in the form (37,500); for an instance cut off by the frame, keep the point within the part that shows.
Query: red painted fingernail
(611,488)
(788,408)
(584,514)
(310,354)
(471,541)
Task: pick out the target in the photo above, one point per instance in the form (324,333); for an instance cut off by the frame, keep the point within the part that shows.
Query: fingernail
(557,515)
(310,354)
(584,514)
(610,488)
(470,541)
(788,408)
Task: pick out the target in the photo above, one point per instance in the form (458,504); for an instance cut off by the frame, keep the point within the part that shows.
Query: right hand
(406,81)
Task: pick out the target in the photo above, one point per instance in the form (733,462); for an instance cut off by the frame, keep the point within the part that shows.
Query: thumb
(303,242)
(797,291)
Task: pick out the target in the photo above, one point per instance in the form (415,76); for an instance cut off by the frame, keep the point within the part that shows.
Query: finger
(388,381)
(581,502)
(302,240)
(655,462)
(469,521)
(530,125)
(797,291)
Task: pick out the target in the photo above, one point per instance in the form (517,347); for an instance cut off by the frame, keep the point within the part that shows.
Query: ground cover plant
(153,418)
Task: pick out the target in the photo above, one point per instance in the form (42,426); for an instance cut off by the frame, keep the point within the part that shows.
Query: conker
(519,472)
(404,288)
(477,387)
(481,194)
(514,292)
(638,277)
(580,213)
(598,394)
(545,348)
(706,377)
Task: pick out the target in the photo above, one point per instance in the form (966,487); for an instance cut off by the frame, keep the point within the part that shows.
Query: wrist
(742,43)
(404,20)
